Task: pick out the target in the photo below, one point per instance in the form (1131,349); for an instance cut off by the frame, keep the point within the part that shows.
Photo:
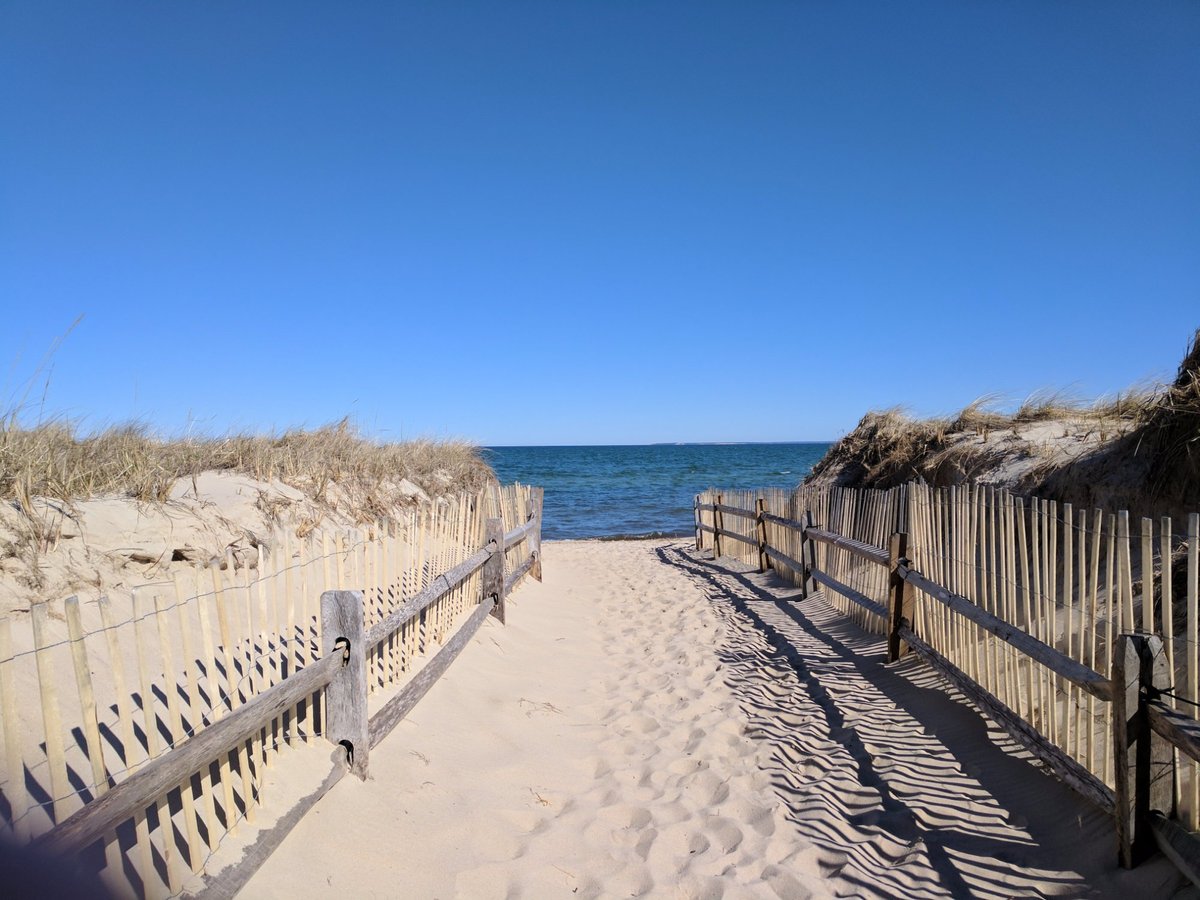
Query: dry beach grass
(65,493)
(1138,450)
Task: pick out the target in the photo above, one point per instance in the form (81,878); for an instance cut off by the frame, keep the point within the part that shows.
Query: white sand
(652,724)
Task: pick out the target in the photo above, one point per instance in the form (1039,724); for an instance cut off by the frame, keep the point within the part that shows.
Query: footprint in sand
(624,816)
(724,833)
(687,766)
(748,813)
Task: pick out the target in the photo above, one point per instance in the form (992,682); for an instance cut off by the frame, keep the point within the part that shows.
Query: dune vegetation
(54,461)
(1139,450)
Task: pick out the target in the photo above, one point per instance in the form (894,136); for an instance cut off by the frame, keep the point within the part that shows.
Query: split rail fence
(1075,634)
(137,736)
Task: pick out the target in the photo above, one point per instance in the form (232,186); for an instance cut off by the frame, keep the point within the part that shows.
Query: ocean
(638,491)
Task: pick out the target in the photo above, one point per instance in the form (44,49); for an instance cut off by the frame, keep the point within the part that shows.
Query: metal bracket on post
(493,569)
(346,720)
(900,593)
(1143,761)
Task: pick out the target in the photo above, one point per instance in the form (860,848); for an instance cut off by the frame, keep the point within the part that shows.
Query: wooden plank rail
(392,712)
(783,521)
(780,557)
(739,537)
(1061,664)
(520,533)
(850,593)
(1022,732)
(275,670)
(1177,844)
(736,511)
(518,573)
(998,562)
(1181,730)
(175,767)
(440,586)
(858,548)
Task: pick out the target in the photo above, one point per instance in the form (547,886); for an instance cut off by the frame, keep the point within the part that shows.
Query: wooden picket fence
(1074,632)
(136,735)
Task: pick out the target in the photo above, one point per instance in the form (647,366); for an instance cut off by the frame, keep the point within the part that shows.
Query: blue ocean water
(597,492)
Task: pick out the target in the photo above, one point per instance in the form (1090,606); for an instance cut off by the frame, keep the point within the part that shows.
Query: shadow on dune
(896,780)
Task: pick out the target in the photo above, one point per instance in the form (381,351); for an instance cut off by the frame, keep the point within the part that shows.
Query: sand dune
(653,724)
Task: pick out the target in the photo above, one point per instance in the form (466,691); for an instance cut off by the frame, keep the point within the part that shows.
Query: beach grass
(54,460)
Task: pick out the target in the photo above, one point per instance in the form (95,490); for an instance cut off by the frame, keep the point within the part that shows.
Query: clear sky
(606,222)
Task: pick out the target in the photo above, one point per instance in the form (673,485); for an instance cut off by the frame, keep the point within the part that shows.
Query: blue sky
(570,222)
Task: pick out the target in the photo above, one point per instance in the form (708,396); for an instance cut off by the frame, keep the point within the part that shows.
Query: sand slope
(653,724)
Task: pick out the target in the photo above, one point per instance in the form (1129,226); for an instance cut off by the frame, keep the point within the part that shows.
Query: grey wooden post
(718,521)
(493,569)
(900,593)
(696,519)
(346,696)
(808,554)
(533,508)
(1143,761)
(760,507)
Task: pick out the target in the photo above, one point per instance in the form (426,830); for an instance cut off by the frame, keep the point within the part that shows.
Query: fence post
(535,537)
(760,507)
(808,554)
(717,523)
(900,593)
(1143,761)
(493,569)
(696,519)
(346,696)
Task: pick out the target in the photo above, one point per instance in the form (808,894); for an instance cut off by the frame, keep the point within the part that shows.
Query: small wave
(646,536)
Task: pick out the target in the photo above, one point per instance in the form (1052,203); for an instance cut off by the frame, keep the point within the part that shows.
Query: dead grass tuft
(334,465)
(1138,450)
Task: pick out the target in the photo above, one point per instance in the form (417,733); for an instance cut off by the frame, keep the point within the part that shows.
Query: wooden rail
(1181,730)
(858,548)
(394,711)
(1145,729)
(1066,768)
(850,594)
(783,522)
(170,770)
(341,674)
(441,586)
(1087,679)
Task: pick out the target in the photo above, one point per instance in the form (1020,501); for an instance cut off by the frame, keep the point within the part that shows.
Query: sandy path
(653,724)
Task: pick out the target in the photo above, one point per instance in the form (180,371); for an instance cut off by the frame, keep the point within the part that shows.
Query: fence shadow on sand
(900,785)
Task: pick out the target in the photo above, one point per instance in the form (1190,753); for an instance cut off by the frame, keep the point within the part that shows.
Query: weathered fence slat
(392,712)
(849,593)
(160,775)
(858,548)
(1066,768)
(518,573)
(440,586)
(1091,681)
(784,559)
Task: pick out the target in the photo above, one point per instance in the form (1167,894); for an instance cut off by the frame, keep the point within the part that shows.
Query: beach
(653,723)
